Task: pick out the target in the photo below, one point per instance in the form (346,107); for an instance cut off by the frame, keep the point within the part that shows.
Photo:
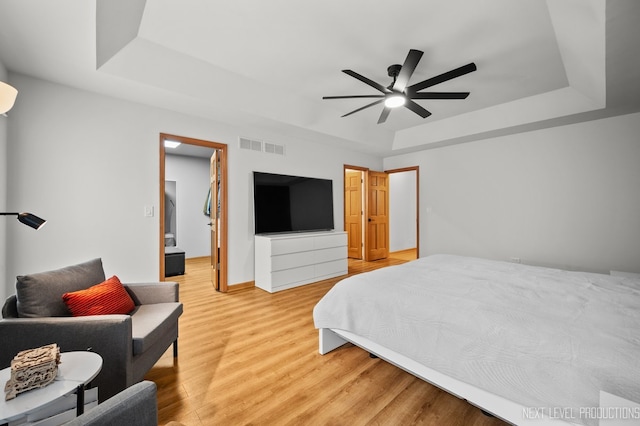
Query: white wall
(90,164)
(566,196)
(191,175)
(3,189)
(402,211)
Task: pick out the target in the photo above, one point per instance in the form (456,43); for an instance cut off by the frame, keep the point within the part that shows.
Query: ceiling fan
(398,93)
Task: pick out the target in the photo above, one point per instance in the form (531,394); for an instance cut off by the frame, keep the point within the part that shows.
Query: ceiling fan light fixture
(400,93)
(394,101)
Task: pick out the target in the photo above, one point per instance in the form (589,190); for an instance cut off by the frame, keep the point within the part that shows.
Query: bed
(526,344)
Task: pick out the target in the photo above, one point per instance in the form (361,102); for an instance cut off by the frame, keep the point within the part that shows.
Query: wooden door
(377,211)
(353,212)
(214,216)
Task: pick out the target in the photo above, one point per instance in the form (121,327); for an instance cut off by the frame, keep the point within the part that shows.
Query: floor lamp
(28,219)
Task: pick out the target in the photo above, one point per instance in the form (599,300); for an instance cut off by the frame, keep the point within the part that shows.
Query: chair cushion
(150,322)
(108,297)
(40,294)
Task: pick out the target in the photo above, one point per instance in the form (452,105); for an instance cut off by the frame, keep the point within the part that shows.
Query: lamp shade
(28,219)
(8,96)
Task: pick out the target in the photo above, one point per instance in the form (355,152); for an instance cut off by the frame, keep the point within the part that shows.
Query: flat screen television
(284,203)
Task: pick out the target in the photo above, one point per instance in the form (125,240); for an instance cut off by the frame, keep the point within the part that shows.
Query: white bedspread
(537,336)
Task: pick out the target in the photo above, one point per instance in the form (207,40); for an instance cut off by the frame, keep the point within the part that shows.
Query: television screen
(285,203)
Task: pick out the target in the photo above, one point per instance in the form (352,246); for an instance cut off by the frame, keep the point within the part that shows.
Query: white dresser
(284,261)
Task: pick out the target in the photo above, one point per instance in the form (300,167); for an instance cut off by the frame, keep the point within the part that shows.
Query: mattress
(540,337)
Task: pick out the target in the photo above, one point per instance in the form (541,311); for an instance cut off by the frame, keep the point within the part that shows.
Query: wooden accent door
(353,212)
(377,239)
(214,216)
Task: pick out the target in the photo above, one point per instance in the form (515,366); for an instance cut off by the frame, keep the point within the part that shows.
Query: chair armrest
(107,335)
(149,293)
(10,307)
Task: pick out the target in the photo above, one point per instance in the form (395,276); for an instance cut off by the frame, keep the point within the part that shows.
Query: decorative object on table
(31,369)
(28,219)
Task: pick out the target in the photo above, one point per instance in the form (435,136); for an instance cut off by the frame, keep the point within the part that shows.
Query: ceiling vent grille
(273,148)
(250,144)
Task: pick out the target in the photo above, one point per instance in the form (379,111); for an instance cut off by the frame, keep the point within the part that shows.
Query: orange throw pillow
(108,297)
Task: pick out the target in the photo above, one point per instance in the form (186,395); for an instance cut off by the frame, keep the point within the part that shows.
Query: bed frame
(497,406)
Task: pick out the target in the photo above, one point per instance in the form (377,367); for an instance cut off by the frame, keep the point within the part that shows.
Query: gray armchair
(129,344)
(136,405)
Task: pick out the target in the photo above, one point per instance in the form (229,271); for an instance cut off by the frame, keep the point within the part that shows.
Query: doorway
(215,205)
(369,216)
(404,228)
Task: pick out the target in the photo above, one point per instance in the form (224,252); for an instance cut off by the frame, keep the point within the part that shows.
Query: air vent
(255,145)
(273,148)
(250,144)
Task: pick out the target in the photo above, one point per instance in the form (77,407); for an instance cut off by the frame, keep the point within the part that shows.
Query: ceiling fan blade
(353,96)
(384,115)
(440,95)
(417,109)
(365,80)
(409,66)
(465,69)
(366,106)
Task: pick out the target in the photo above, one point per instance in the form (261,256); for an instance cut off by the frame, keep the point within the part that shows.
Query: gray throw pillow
(40,294)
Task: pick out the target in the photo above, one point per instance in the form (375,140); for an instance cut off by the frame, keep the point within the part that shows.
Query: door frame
(365,183)
(222,149)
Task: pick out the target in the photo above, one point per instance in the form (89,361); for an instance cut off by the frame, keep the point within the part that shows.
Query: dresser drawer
(295,275)
(326,241)
(291,245)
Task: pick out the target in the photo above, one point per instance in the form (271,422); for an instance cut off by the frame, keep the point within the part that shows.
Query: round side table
(75,371)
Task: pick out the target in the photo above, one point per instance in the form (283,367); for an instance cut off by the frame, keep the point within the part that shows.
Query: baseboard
(198,258)
(403,252)
(241,286)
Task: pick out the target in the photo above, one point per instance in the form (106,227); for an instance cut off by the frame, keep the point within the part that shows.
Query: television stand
(284,261)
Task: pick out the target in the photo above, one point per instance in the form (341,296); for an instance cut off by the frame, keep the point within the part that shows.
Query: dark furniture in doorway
(173,261)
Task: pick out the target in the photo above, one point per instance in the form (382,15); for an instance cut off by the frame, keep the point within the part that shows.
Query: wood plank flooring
(251,358)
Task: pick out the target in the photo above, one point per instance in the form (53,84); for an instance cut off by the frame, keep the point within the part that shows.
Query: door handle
(369,219)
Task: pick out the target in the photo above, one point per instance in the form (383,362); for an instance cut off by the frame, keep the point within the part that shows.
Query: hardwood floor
(250,357)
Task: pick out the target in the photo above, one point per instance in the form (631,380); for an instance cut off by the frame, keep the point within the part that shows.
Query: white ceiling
(268,64)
